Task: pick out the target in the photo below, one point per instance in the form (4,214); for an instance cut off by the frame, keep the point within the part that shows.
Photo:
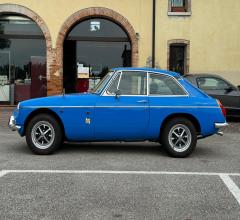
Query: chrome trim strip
(126,106)
(167,96)
(150,96)
(147,83)
(234,108)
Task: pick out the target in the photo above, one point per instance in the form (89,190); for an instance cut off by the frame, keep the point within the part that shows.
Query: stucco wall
(213,29)
(214,33)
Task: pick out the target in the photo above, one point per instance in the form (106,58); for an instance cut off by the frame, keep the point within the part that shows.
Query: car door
(220,89)
(123,115)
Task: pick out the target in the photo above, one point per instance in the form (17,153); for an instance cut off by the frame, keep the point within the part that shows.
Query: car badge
(88,121)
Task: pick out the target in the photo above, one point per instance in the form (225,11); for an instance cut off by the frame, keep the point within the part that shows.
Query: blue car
(128,104)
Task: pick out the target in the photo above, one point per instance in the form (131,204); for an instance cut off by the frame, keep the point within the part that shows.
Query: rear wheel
(43,134)
(179,137)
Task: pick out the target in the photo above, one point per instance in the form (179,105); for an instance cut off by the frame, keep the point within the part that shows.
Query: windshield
(98,88)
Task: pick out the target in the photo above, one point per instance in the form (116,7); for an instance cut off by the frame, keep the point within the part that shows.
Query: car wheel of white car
(43,134)
(179,137)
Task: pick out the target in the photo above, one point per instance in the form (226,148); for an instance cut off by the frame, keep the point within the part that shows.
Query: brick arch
(22,10)
(84,14)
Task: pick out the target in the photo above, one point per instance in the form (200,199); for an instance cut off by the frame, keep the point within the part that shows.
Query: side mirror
(117,93)
(238,87)
(229,89)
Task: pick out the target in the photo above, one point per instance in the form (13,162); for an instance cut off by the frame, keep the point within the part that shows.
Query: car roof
(167,72)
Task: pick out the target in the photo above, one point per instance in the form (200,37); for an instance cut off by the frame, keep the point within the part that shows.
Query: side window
(211,83)
(133,83)
(164,85)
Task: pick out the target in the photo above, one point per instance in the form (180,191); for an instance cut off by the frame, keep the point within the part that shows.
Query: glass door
(5,76)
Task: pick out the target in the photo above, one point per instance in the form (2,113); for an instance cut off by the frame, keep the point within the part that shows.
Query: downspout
(153,32)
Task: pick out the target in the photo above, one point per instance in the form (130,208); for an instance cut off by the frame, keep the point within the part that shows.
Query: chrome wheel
(179,138)
(43,135)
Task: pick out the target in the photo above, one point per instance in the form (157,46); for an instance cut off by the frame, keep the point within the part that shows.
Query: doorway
(91,49)
(177,59)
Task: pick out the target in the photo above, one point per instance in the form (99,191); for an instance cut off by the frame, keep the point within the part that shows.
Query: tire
(43,134)
(179,137)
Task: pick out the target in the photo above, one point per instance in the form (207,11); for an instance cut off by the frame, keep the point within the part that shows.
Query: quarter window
(114,85)
(164,85)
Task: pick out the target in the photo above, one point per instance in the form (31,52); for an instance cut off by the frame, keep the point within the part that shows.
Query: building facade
(47,46)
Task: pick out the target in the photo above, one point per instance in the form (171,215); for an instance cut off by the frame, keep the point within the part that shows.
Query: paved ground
(120,180)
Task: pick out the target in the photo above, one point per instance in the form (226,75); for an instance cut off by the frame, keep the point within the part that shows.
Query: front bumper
(12,124)
(220,127)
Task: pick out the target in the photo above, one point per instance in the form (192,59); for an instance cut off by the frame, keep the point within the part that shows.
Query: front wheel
(179,137)
(43,134)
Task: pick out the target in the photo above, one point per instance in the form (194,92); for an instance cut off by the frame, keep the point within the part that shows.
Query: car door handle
(142,101)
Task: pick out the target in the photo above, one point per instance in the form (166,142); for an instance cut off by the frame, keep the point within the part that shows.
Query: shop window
(22,59)
(179,7)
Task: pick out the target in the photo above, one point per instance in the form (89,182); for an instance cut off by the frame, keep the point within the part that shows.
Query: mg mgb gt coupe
(128,104)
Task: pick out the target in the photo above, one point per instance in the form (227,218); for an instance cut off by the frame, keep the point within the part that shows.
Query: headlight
(18,106)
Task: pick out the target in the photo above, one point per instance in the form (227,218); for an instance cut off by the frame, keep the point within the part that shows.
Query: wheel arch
(190,117)
(42,111)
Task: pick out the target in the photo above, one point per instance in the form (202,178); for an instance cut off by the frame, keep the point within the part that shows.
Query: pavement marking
(233,188)
(3,172)
(121,172)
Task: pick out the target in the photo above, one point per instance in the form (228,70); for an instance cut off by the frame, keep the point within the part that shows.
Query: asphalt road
(120,180)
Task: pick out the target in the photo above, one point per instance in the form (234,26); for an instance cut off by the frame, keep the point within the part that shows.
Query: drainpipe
(153,33)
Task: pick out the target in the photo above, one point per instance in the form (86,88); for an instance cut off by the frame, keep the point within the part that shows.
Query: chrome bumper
(220,127)
(12,124)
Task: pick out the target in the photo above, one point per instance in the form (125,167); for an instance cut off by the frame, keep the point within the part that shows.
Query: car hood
(78,99)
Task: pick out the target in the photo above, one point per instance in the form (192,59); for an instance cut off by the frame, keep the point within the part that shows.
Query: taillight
(222,108)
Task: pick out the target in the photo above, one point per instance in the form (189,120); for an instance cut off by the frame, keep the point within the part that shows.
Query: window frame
(104,92)
(188,11)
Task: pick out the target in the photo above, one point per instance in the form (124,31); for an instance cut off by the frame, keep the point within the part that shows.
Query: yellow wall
(213,29)
(214,33)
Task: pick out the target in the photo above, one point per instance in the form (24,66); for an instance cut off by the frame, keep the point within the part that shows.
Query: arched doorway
(22,59)
(82,15)
(91,48)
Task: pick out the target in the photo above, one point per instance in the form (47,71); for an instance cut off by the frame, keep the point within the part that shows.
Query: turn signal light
(222,108)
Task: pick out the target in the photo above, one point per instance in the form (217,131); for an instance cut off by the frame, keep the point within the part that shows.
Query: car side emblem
(88,121)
